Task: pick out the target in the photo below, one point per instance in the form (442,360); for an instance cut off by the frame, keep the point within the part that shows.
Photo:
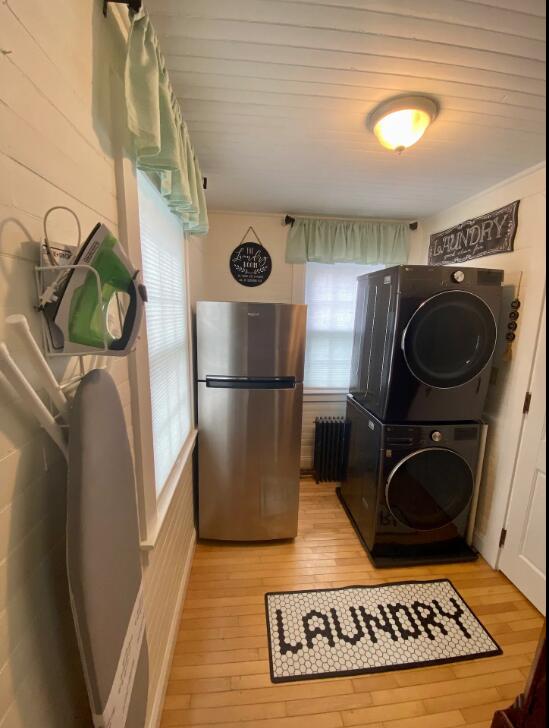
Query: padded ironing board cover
(103,556)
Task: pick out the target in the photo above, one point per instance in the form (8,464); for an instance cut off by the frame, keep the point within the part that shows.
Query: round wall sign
(251,264)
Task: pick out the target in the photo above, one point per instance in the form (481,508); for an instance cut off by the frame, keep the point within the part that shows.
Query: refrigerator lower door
(249,458)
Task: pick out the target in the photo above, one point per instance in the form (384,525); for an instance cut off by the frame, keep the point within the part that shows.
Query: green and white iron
(80,315)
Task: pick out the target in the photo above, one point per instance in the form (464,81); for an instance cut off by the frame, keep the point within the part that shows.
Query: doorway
(523,558)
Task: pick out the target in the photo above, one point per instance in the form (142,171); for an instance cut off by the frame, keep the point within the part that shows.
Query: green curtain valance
(162,142)
(347,241)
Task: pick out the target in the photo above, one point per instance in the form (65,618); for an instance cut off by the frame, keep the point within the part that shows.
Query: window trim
(153,506)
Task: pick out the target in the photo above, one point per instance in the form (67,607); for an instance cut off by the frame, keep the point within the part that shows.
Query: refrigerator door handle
(251,383)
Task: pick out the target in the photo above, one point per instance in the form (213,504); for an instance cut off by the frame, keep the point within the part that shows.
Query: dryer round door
(450,339)
(430,489)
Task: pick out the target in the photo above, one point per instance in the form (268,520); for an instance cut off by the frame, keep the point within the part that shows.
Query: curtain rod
(134,5)
(289,220)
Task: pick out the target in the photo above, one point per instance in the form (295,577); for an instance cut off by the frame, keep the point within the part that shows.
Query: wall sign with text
(488,234)
(251,264)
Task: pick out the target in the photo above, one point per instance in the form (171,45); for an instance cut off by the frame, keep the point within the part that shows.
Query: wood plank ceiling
(276,93)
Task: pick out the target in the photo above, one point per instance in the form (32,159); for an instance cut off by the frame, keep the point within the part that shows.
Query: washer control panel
(400,439)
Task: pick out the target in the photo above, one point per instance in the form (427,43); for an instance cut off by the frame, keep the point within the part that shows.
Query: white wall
(56,148)
(525,276)
(212,277)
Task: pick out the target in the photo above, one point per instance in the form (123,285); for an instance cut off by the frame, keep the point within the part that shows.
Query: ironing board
(103,557)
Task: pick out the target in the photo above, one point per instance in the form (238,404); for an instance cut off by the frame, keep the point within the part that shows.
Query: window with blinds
(164,274)
(330,293)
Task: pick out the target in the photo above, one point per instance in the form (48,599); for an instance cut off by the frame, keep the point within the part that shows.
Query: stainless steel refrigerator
(250,360)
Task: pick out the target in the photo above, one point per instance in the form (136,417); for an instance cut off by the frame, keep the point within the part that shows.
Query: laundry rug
(365,629)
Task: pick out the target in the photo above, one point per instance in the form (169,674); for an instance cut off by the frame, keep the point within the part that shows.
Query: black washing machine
(424,342)
(410,487)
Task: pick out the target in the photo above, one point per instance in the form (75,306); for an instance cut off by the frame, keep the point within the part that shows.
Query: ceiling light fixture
(401,122)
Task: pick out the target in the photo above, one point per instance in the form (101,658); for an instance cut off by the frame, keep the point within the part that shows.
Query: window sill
(327,390)
(166,496)
(325,395)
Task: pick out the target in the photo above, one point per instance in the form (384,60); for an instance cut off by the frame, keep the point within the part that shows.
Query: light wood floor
(220,673)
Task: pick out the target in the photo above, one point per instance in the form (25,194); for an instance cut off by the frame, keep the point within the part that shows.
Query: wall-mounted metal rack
(46,276)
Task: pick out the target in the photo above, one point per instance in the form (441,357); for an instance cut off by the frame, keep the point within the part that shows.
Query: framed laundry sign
(250,262)
(488,234)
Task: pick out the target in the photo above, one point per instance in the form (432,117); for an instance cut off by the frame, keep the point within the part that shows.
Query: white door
(523,558)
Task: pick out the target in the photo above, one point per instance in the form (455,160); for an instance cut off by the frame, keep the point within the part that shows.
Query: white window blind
(164,274)
(330,293)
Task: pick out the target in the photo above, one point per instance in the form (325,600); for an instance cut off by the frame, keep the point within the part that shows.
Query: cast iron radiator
(331,449)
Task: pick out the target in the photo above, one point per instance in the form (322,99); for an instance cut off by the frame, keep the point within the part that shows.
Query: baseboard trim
(159,698)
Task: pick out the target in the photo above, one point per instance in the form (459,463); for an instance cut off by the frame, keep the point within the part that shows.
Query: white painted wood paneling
(318,25)
(56,148)
(165,578)
(276,95)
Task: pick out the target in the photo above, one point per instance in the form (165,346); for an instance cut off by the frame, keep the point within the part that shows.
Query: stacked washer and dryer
(424,343)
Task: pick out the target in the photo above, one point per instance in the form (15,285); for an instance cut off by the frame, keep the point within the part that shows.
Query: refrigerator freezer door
(249,456)
(250,340)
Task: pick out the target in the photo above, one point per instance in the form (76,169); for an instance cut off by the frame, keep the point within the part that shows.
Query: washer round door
(429,489)
(450,339)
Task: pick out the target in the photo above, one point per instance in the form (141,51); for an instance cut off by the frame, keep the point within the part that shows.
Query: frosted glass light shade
(401,122)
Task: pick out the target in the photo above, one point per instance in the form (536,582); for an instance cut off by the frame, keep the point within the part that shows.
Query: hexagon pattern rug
(365,629)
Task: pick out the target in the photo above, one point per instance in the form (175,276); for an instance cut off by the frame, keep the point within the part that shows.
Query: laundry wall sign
(488,234)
